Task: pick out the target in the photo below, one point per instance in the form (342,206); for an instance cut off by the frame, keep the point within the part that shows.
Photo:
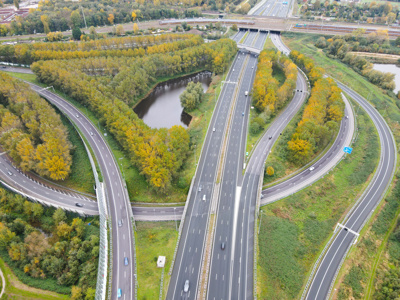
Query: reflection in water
(390,68)
(162,108)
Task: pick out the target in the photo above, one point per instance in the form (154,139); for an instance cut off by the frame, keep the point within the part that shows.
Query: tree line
(32,132)
(158,154)
(321,116)
(125,46)
(52,16)
(46,248)
(340,47)
(268,95)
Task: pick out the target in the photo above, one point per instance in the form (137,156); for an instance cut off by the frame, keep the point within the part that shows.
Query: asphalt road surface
(220,278)
(274,8)
(326,273)
(190,252)
(117,197)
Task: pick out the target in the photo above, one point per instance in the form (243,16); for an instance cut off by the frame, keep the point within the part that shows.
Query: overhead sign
(348,150)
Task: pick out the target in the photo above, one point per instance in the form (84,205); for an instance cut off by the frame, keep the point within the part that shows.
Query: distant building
(8,14)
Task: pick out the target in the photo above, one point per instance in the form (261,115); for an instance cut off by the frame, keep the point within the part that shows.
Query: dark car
(79,204)
(270,137)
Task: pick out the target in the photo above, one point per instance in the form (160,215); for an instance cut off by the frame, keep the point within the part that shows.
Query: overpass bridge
(249,49)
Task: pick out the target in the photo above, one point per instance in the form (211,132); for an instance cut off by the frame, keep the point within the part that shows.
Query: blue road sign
(347,150)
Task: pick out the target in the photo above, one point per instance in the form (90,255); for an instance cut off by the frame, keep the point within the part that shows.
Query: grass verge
(15,289)
(294,230)
(152,240)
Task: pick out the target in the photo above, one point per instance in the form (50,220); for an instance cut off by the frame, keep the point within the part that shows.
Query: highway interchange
(233,200)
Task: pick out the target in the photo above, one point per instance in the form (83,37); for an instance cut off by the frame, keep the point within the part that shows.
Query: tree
(234,27)
(133,16)
(270,171)
(75,19)
(192,96)
(59,216)
(76,293)
(76,33)
(120,30)
(45,22)
(90,294)
(16,4)
(135,28)
(111,19)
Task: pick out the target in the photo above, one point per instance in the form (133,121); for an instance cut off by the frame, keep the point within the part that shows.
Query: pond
(162,108)
(390,68)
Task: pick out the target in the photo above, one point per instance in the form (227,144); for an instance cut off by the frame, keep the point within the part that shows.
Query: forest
(158,154)
(321,116)
(47,248)
(340,47)
(365,12)
(32,132)
(113,47)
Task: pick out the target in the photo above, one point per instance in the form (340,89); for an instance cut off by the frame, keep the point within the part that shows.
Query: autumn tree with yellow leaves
(31,131)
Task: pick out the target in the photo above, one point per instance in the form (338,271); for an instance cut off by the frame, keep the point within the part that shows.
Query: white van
(246,93)
(204,197)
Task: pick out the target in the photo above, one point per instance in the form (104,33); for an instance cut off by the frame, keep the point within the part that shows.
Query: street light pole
(176,225)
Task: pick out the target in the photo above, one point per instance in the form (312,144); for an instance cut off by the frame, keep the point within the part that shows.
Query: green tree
(76,33)
(192,96)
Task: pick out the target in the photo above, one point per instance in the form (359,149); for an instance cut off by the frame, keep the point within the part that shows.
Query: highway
(330,264)
(320,167)
(273,8)
(324,276)
(219,282)
(117,196)
(191,244)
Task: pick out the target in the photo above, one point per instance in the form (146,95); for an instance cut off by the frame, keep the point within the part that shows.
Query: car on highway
(199,188)
(91,133)
(9,173)
(347,117)
(79,204)
(120,223)
(204,197)
(214,129)
(223,246)
(186,286)
(242,113)
(311,168)
(77,115)
(246,93)
(270,137)
(119,293)
(126,261)
(3,67)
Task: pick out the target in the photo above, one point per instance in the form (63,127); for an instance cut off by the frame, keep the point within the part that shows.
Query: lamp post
(176,225)
(123,173)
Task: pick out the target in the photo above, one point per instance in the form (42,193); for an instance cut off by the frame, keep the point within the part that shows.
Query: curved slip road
(327,268)
(116,194)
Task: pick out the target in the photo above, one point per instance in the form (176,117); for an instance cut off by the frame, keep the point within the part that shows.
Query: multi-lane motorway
(220,279)
(190,250)
(272,8)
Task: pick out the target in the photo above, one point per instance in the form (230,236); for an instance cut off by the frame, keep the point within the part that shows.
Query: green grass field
(154,239)
(294,230)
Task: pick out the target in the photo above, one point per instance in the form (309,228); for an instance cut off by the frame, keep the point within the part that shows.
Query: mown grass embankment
(294,230)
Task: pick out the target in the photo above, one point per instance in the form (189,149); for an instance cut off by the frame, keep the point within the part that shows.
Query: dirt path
(3,284)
